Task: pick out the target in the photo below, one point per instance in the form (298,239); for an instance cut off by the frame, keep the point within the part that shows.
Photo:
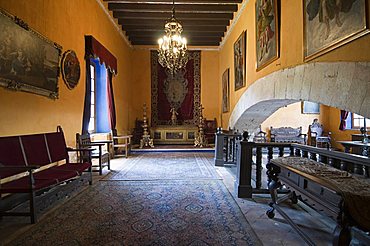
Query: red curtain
(343,116)
(95,49)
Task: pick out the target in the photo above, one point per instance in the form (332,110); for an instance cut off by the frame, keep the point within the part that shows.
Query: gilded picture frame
(331,24)
(70,69)
(267,32)
(28,61)
(226,91)
(239,61)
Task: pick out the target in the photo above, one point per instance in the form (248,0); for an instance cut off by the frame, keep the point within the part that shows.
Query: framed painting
(332,23)
(225,91)
(28,61)
(70,69)
(310,107)
(267,33)
(239,61)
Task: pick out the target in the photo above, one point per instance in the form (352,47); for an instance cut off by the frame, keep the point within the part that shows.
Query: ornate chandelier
(172,47)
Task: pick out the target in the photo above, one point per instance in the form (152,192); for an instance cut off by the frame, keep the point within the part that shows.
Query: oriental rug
(177,199)
(168,165)
(166,212)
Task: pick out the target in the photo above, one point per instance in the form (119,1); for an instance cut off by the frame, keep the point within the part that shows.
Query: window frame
(355,116)
(92,65)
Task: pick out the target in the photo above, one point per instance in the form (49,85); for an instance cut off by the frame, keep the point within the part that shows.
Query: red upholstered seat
(22,185)
(79,167)
(53,173)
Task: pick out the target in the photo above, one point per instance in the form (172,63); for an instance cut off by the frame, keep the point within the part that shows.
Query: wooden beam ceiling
(204,21)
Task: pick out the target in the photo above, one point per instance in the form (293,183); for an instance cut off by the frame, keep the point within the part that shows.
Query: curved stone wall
(344,85)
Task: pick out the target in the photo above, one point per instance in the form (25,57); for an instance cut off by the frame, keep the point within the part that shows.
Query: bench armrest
(102,142)
(122,137)
(92,144)
(79,149)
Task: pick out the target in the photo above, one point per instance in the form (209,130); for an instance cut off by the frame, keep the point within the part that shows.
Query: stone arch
(344,85)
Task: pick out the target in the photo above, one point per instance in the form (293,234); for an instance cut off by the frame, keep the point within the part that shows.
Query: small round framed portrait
(70,69)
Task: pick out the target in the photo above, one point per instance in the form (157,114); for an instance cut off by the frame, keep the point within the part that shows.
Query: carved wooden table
(321,187)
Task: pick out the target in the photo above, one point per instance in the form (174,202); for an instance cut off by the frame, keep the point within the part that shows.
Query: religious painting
(239,61)
(70,69)
(175,96)
(225,91)
(310,107)
(332,23)
(267,33)
(28,61)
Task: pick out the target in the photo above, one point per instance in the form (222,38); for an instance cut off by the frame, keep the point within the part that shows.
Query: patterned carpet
(168,165)
(163,211)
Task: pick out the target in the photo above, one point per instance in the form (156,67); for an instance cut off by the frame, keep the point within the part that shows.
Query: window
(99,114)
(358,121)
(92,94)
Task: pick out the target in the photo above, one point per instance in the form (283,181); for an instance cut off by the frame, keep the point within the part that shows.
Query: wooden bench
(287,135)
(342,196)
(34,164)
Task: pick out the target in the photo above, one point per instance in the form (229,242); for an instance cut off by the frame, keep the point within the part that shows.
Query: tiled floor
(277,231)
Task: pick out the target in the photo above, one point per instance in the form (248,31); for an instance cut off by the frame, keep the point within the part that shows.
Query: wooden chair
(121,142)
(84,141)
(318,137)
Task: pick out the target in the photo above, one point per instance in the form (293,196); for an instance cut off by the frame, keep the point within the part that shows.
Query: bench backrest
(34,149)
(286,131)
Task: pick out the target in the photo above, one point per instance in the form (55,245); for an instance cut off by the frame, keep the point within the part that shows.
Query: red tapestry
(180,91)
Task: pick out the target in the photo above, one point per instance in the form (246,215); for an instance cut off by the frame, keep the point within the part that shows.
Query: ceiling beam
(218,2)
(157,22)
(181,16)
(131,7)
(187,34)
(187,28)
(192,40)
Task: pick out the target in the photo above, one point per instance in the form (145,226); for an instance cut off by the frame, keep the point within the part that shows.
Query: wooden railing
(227,143)
(356,164)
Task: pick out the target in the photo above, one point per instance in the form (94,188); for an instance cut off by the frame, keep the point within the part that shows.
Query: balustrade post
(313,156)
(242,185)
(358,169)
(291,151)
(281,151)
(297,152)
(323,159)
(270,152)
(343,165)
(258,167)
(219,152)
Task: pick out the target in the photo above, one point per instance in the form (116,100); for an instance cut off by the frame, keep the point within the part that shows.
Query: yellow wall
(141,81)
(66,23)
(291,47)
(336,134)
(289,116)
